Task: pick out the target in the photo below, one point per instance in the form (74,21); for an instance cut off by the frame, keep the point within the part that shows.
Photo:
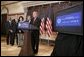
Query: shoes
(19,46)
(35,52)
(11,45)
(7,44)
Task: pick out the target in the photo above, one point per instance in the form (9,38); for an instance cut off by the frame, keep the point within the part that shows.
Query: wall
(19,7)
(3,10)
(15,8)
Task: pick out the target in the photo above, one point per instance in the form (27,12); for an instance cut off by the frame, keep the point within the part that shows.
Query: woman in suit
(20,33)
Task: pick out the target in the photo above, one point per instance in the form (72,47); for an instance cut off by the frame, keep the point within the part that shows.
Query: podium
(26,49)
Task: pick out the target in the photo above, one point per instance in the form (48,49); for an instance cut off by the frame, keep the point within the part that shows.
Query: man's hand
(19,30)
(11,30)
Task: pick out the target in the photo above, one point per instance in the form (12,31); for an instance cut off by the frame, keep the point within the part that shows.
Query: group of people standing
(14,32)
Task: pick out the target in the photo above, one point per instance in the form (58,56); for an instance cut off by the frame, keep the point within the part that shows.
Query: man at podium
(35,33)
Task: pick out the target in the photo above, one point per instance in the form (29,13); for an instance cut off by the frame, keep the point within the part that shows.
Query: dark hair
(13,21)
(35,11)
(21,17)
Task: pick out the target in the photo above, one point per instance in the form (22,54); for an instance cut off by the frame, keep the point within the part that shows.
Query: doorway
(3,21)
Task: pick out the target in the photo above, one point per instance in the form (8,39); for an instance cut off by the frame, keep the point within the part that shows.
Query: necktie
(34,20)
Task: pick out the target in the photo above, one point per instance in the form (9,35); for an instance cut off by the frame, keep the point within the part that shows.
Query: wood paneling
(3,21)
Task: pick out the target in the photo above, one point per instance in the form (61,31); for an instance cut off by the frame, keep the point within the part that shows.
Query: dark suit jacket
(8,26)
(35,33)
(17,30)
(36,22)
(13,26)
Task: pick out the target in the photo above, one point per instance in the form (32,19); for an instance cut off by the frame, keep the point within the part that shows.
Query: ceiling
(12,2)
(28,3)
(7,2)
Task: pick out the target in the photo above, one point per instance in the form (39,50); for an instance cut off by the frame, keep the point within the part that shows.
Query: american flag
(49,26)
(42,30)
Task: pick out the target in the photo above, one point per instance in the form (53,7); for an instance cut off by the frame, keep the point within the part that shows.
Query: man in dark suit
(28,19)
(12,31)
(35,33)
(8,25)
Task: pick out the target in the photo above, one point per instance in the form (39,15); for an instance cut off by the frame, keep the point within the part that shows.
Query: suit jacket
(8,26)
(35,33)
(36,22)
(18,30)
(13,27)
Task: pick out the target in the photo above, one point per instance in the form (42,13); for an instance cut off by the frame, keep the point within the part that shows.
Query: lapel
(34,21)
(9,23)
